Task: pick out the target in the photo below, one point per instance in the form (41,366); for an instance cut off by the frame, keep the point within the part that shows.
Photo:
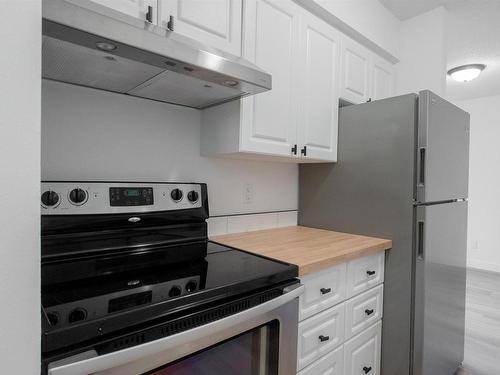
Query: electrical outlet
(248,193)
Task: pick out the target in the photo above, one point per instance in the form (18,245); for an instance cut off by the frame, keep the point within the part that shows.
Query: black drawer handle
(324,338)
(369,311)
(370,273)
(149,14)
(367,369)
(325,290)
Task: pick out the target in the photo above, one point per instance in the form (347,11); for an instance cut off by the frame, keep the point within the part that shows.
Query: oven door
(259,341)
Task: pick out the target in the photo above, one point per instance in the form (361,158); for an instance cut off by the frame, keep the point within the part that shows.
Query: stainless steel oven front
(261,340)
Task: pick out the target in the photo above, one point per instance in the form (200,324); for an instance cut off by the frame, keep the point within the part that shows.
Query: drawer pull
(370,273)
(324,338)
(369,311)
(367,369)
(325,290)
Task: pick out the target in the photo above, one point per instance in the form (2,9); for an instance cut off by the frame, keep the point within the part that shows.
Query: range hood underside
(146,61)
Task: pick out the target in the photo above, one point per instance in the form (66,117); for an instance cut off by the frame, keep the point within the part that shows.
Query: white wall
(484,183)
(20,178)
(370,18)
(422,53)
(95,135)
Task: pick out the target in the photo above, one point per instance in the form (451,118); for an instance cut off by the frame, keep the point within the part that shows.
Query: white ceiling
(404,9)
(472,36)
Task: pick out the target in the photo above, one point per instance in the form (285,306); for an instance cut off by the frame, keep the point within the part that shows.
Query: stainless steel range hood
(87,44)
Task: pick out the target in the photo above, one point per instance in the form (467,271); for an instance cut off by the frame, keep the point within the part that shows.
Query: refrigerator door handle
(420,239)
(421,166)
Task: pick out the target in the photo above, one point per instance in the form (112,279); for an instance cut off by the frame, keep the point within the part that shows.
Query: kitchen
(95,135)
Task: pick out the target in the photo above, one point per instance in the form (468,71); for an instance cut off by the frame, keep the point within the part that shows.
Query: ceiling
(404,9)
(472,36)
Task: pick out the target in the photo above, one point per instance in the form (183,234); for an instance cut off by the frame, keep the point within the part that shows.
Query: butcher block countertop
(311,249)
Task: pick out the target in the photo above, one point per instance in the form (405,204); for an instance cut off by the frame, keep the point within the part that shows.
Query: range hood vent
(97,47)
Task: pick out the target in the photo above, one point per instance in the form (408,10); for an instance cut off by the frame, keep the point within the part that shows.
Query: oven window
(252,353)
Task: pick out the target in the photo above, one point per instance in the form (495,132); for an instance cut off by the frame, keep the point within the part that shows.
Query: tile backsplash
(245,223)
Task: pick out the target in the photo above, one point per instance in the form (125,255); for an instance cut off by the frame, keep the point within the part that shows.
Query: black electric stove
(128,263)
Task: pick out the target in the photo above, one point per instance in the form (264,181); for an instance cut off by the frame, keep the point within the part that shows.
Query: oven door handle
(97,364)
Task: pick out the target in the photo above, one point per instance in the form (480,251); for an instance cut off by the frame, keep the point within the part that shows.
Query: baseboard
(487,266)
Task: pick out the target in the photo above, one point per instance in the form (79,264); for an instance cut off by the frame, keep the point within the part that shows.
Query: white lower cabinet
(362,352)
(320,334)
(330,364)
(340,316)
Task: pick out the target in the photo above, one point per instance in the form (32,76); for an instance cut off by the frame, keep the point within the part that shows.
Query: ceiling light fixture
(466,73)
(105,46)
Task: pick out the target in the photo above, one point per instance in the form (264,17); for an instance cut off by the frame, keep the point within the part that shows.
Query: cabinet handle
(149,14)
(170,23)
(370,273)
(324,338)
(369,311)
(303,151)
(294,149)
(367,369)
(325,290)
(369,100)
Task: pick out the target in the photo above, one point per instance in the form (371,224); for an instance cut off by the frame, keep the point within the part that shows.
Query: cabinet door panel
(318,128)
(322,290)
(330,364)
(134,8)
(362,353)
(216,23)
(271,42)
(355,78)
(364,273)
(320,334)
(363,310)
(382,79)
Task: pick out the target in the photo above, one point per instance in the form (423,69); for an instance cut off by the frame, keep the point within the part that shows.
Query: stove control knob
(175,291)
(77,315)
(50,198)
(176,194)
(191,286)
(192,196)
(77,196)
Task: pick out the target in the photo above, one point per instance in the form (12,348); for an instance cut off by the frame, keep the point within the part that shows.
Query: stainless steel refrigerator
(402,174)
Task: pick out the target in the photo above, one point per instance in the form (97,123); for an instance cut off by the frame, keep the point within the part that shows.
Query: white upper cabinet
(318,128)
(216,23)
(382,79)
(355,74)
(271,41)
(143,9)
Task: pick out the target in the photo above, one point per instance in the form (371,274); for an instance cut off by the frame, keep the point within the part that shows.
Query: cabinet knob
(149,14)
(369,100)
(170,23)
(303,150)
(325,290)
(369,311)
(294,149)
(324,338)
(367,369)
(370,273)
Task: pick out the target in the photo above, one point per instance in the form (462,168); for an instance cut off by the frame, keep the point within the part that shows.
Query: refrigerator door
(439,294)
(442,150)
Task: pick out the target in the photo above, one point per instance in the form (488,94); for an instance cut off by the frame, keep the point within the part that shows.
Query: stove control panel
(88,198)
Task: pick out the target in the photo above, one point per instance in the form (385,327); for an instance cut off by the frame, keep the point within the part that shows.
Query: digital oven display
(131,196)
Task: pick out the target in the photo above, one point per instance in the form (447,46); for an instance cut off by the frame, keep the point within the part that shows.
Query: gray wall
(96,135)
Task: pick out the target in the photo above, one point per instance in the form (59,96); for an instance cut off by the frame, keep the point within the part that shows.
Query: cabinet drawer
(322,290)
(364,273)
(362,311)
(330,364)
(362,352)
(320,334)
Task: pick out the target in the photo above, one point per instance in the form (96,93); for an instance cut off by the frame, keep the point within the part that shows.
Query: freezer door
(442,150)
(439,282)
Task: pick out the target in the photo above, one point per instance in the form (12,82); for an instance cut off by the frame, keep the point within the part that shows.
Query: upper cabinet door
(271,41)
(355,73)
(135,8)
(318,127)
(382,79)
(216,23)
